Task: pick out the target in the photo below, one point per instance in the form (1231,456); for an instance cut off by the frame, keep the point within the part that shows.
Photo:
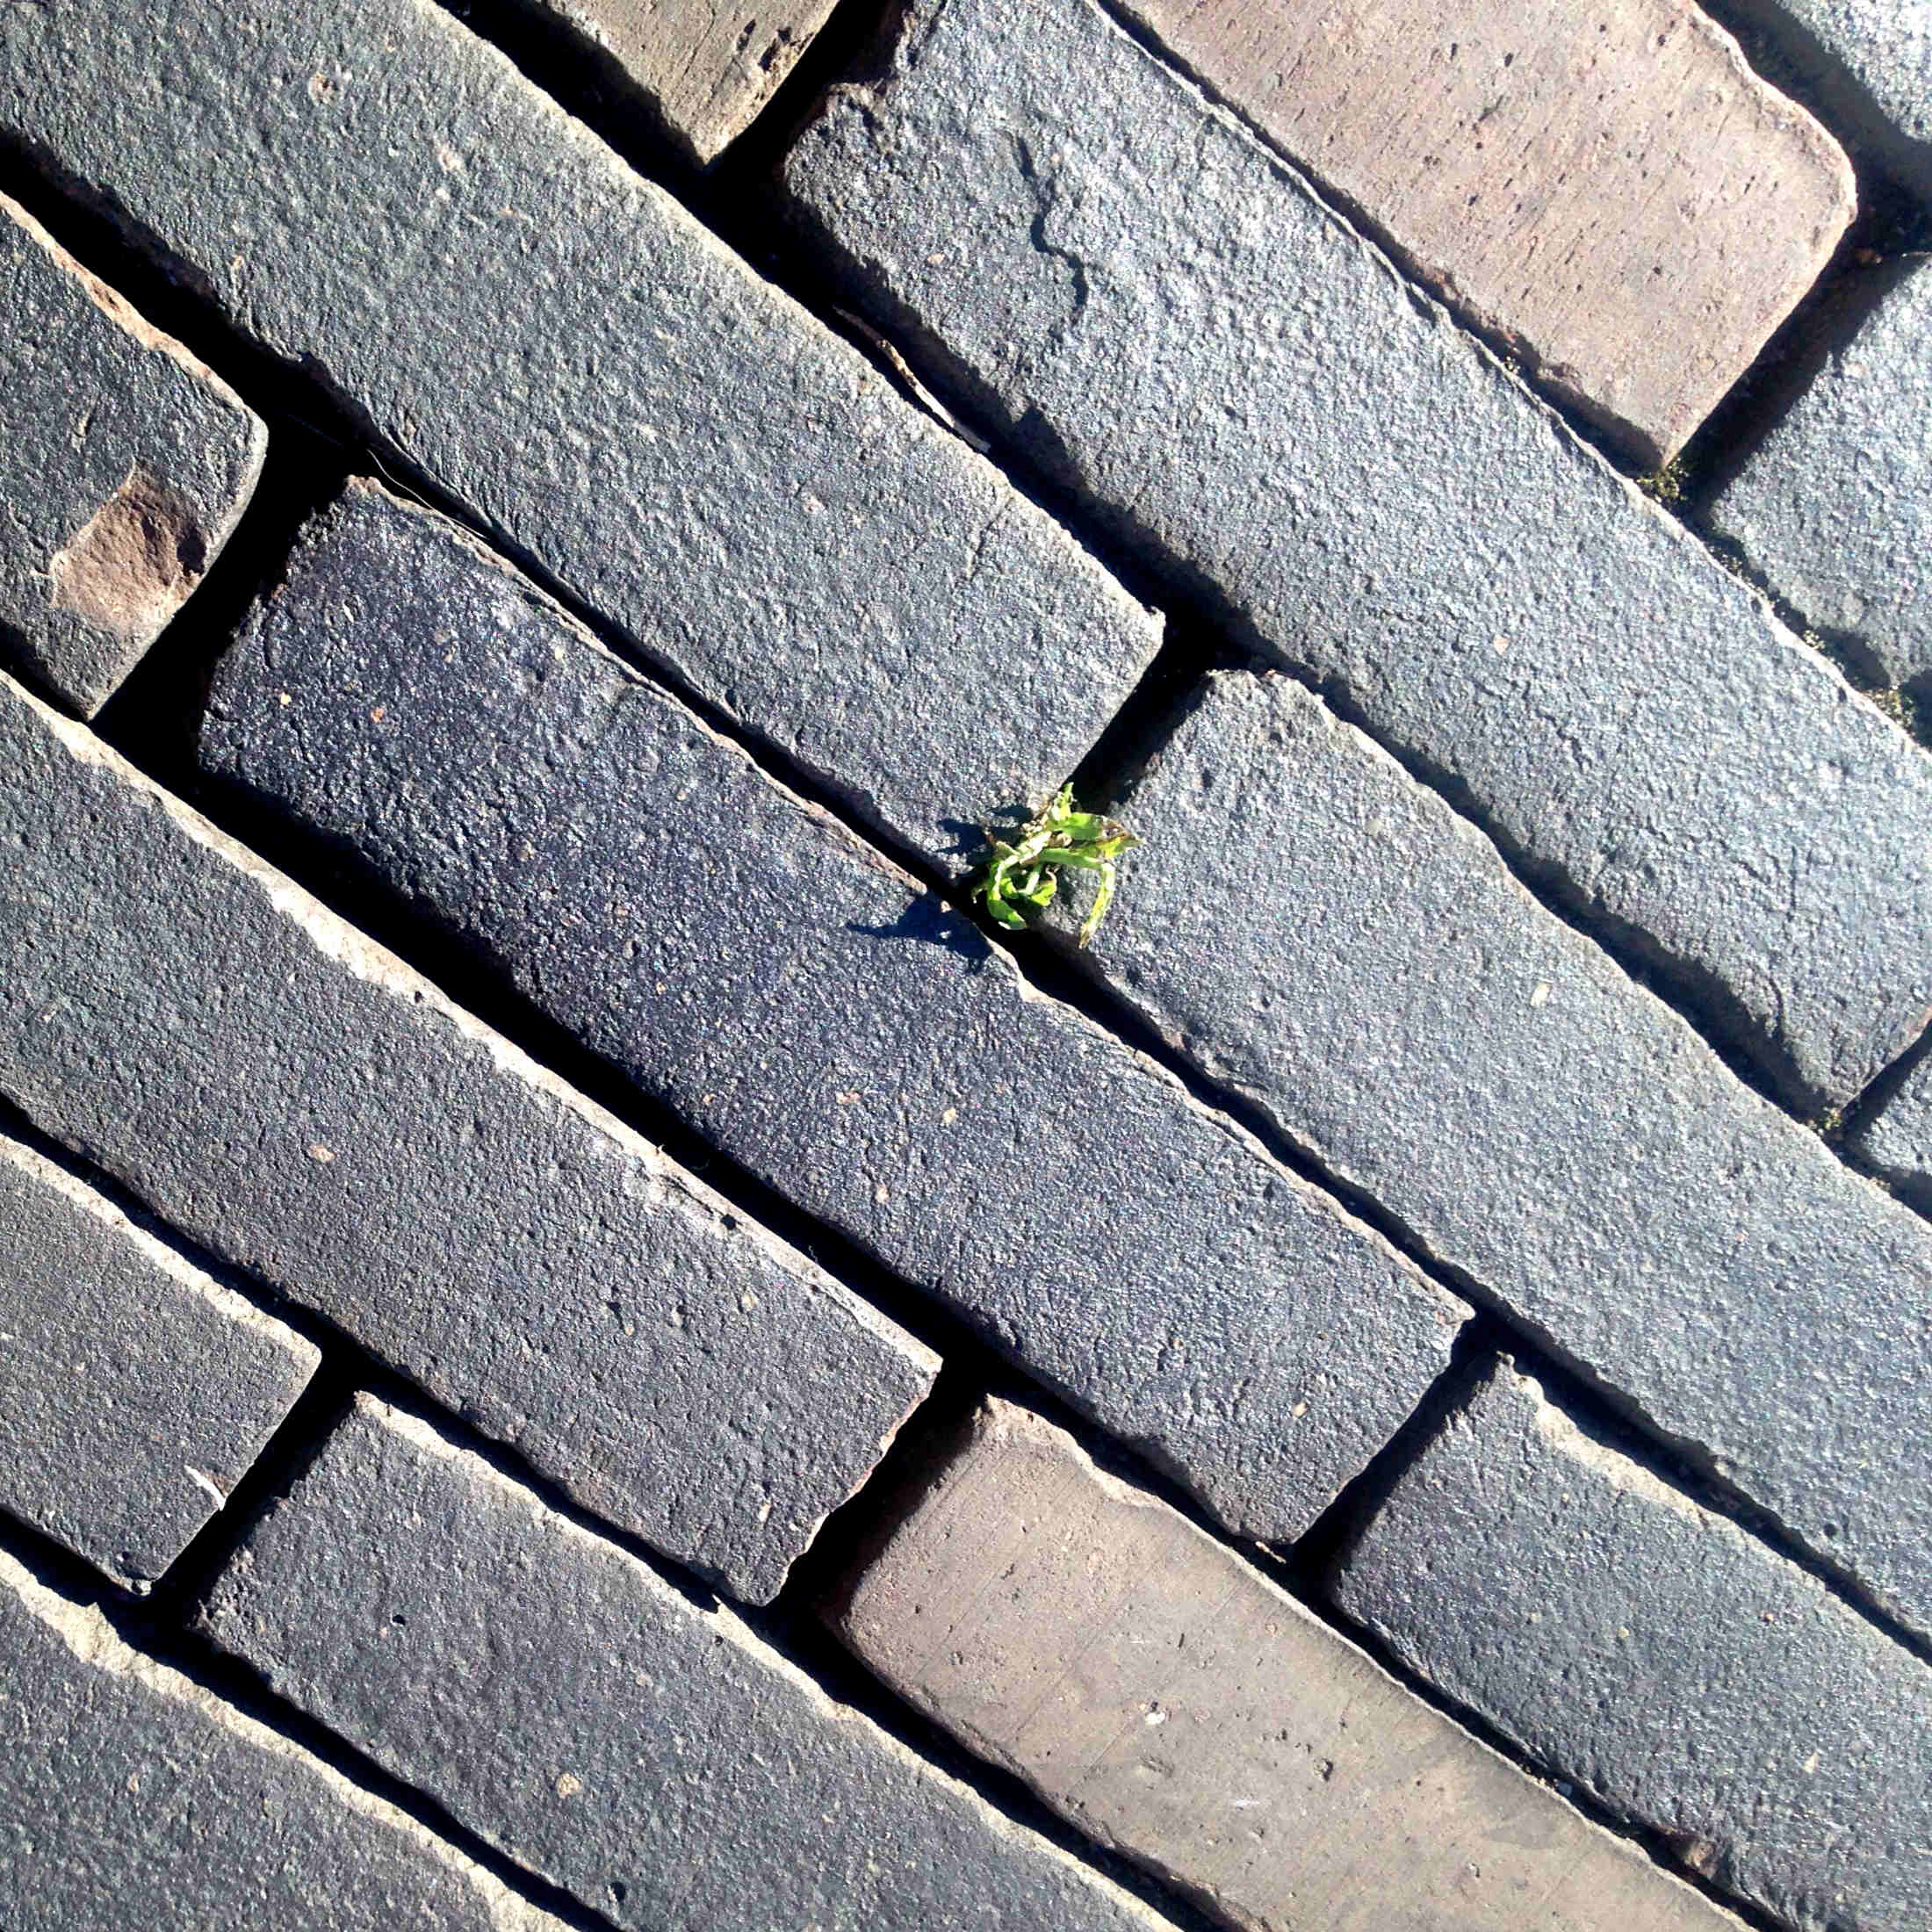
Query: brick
(299,1103)
(1325,936)
(817,1017)
(131,1796)
(1164,320)
(1609,191)
(134,1392)
(1181,1709)
(1834,506)
(705,70)
(1687,1675)
(569,355)
(124,465)
(1866,66)
(1896,1140)
(653,1757)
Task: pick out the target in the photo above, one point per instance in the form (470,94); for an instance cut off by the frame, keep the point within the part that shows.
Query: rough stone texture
(1326,936)
(1834,506)
(130,1796)
(1163,319)
(705,69)
(1866,66)
(562,347)
(1182,1710)
(1610,190)
(1898,1139)
(134,1392)
(300,1104)
(1668,1662)
(124,465)
(655,1758)
(817,1017)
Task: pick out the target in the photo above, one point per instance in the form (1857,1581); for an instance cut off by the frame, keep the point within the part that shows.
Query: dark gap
(186,1651)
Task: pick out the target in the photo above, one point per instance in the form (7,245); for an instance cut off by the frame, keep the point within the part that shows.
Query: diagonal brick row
(134,1392)
(305,1108)
(1686,1675)
(368,191)
(131,1796)
(124,465)
(1608,190)
(655,1759)
(1165,322)
(1324,935)
(818,1018)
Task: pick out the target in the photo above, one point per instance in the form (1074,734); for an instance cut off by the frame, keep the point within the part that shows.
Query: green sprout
(1022,876)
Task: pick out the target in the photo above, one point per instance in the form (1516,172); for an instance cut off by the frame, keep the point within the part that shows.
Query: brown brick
(707,69)
(1608,189)
(1176,1706)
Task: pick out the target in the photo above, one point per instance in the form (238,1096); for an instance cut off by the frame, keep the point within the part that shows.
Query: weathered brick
(1834,508)
(1866,66)
(816,1016)
(705,69)
(1163,320)
(1609,190)
(1326,936)
(124,465)
(1178,1707)
(1898,1138)
(656,1759)
(132,1797)
(1687,1675)
(134,1392)
(301,1105)
(367,189)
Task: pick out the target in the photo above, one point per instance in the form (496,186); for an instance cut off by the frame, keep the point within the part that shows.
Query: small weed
(1667,486)
(1023,874)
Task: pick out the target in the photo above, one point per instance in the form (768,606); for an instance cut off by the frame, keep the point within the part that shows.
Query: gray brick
(124,465)
(1898,1138)
(817,1017)
(1687,1675)
(1178,1707)
(1163,318)
(1834,508)
(1324,935)
(655,1758)
(302,1105)
(569,354)
(1866,66)
(704,71)
(1610,190)
(134,1392)
(130,1796)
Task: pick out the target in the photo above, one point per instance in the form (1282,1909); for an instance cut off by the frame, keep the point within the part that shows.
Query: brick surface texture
(571,356)
(1544,1127)
(1166,1698)
(821,1019)
(132,1796)
(665,1765)
(1514,158)
(125,465)
(1737,1704)
(324,1121)
(134,1392)
(1834,508)
(772,1101)
(1226,377)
